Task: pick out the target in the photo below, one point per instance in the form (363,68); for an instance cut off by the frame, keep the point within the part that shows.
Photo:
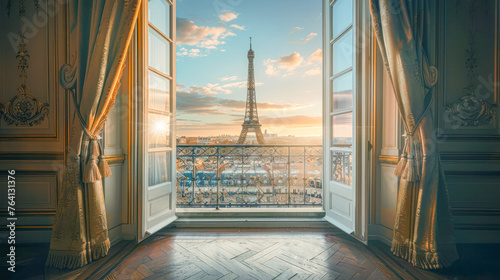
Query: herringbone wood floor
(290,253)
(251,254)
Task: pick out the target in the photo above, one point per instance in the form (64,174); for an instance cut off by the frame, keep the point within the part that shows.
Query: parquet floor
(232,253)
(251,254)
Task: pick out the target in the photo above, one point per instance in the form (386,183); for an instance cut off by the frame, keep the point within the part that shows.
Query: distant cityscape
(271,139)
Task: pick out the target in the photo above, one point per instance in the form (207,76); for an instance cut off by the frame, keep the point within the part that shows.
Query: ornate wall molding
(32,156)
(467,107)
(469,156)
(393,160)
(115,159)
(24,109)
(471,110)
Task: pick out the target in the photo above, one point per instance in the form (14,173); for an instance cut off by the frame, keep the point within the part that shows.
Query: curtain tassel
(91,173)
(410,172)
(103,164)
(402,161)
(104,167)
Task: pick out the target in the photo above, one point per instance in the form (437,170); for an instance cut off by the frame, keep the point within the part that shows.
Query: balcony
(255,176)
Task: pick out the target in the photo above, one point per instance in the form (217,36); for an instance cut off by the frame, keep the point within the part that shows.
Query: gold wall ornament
(23,108)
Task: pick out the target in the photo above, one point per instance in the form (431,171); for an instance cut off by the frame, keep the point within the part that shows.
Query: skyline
(212,66)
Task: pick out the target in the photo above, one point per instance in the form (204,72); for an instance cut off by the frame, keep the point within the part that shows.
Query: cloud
(313,72)
(290,62)
(229,78)
(237,27)
(295,29)
(204,90)
(195,100)
(214,89)
(228,16)
(270,68)
(305,40)
(241,84)
(188,33)
(297,120)
(317,55)
(308,38)
(190,53)
(287,62)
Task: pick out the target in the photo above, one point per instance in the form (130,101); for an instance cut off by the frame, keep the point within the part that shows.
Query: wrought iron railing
(249,175)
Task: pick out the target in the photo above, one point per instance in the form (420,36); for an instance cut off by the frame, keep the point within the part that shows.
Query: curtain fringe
(425,259)
(100,250)
(66,259)
(62,259)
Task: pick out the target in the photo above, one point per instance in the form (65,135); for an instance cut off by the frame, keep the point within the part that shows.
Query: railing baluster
(272,179)
(242,172)
(304,179)
(288,181)
(193,180)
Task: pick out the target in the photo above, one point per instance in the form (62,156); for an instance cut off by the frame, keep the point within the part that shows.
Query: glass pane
(342,92)
(341,16)
(343,50)
(342,167)
(342,130)
(159,130)
(159,52)
(158,168)
(159,93)
(159,15)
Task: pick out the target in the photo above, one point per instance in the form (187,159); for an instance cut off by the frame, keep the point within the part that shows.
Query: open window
(345,102)
(157,116)
(345,144)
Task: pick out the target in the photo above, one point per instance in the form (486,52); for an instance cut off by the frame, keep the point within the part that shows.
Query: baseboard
(380,233)
(477,236)
(129,231)
(115,235)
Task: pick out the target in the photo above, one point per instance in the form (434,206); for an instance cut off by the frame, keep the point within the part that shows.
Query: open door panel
(341,119)
(157,120)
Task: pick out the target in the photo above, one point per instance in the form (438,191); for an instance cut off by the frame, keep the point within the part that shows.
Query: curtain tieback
(408,167)
(94,171)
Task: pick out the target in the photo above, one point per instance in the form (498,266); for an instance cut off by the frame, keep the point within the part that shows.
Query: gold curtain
(423,232)
(103,30)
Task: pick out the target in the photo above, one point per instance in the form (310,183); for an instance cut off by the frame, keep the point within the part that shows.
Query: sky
(212,65)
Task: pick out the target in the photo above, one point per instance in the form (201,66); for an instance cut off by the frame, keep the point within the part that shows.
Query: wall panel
(469,76)
(45,40)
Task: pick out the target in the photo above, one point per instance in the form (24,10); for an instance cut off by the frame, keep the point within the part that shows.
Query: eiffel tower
(251,122)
